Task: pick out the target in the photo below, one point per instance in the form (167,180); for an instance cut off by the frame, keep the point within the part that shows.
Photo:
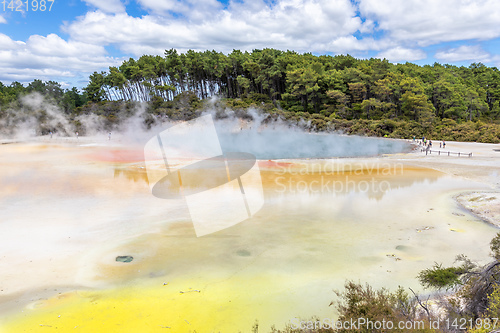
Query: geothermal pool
(288,144)
(69,209)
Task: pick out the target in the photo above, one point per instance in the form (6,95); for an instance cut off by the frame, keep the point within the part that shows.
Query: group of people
(428,144)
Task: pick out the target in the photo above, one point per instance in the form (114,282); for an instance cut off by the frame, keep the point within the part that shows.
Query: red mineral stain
(273,164)
(117,155)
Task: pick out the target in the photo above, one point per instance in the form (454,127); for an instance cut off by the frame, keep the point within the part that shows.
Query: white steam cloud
(33,116)
(253,132)
(278,139)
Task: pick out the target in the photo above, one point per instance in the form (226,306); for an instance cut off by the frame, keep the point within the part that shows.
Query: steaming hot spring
(89,246)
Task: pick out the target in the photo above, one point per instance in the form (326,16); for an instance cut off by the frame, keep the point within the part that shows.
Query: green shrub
(439,277)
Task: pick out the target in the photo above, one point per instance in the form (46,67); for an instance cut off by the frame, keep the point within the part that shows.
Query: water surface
(323,222)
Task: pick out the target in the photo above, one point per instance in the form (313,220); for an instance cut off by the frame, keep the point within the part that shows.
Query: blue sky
(78,37)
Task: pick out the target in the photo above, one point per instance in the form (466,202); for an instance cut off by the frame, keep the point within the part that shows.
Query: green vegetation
(439,277)
(475,285)
(361,308)
(67,99)
(332,92)
(358,301)
(322,93)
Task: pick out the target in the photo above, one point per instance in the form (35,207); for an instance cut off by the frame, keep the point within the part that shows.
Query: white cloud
(49,57)
(464,52)
(394,28)
(302,25)
(2,19)
(399,53)
(428,21)
(109,6)
(53,44)
(162,6)
(8,43)
(348,44)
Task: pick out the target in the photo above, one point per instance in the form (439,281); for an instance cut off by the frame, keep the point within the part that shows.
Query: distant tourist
(430,143)
(50,134)
(444,144)
(440,144)
(76,135)
(109,136)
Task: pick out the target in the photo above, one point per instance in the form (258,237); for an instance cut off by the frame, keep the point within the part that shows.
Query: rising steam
(253,133)
(32,116)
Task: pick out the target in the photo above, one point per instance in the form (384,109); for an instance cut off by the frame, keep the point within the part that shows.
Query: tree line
(357,96)
(67,99)
(338,87)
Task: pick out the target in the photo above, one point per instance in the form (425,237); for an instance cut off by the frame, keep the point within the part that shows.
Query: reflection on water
(318,177)
(322,222)
(135,173)
(337,178)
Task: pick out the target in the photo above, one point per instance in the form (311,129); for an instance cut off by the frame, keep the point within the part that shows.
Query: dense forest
(341,85)
(362,96)
(67,99)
